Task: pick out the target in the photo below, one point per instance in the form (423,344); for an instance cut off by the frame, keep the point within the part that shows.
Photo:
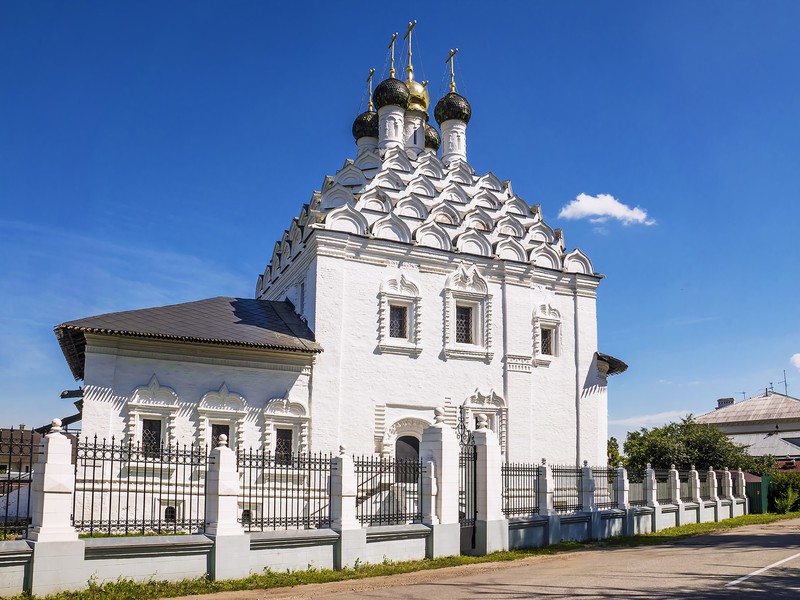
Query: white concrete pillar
(440,448)
(727,484)
(587,488)
(622,488)
(711,482)
(694,485)
(741,483)
(352,544)
(454,141)
(545,494)
(674,485)
(428,494)
(230,557)
(58,555)
(391,123)
(651,486)
(491,526)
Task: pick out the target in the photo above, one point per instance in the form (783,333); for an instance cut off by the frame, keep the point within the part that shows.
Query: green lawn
(128,590)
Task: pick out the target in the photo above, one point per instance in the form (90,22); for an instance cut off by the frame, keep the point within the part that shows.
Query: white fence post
(727,484)
(651,486)
(428,493)
(694,486)
(674,486)
(440,448)
(588,503)
(545,496)
(622,487)
(230,557)
(352,544)
(58,555)
(491,526)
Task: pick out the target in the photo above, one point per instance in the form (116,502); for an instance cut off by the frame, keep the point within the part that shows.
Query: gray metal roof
(221,321)
(762,444)
(764,408)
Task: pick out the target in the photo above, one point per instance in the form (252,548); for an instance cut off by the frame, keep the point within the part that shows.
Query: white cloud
(795,360)
(599,209)
(650,420)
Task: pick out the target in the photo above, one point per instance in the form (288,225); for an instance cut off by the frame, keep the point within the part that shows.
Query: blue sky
(152,152)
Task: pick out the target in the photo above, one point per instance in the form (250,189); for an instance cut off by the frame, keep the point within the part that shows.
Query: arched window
(406,453)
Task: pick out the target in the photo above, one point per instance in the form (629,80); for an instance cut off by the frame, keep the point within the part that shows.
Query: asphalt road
(758,561)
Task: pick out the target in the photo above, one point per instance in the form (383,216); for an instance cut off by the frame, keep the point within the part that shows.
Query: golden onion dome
(419,99)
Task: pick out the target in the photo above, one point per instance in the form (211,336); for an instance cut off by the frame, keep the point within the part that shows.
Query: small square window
(547,341)
(283,446)
(170,514)
(464,325)
(151,437)
(398,321)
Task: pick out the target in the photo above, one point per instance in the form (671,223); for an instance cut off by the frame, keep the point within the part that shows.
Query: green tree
(614,456)
(690,443)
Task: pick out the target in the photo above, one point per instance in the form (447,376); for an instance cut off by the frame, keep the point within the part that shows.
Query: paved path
(757,561)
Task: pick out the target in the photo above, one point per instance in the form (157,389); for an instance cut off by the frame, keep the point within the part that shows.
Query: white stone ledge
(15,553)
(262,540)
(576,518)
(397,532)
(612,513)
(155,545)
(526,522)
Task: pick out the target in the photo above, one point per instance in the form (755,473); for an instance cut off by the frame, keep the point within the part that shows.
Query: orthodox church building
(409,281)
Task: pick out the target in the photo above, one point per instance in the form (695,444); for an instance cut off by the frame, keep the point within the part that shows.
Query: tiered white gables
(408,282)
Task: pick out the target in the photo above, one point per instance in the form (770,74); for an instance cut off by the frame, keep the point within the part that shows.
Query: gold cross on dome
(451,60)
(407,36)
(369,83)
(391,47)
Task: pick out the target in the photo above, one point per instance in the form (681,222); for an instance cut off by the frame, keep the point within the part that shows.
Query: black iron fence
(738,492)
(284,491)
(520,489)
(19,450)
(467,485)
(637,487)
(605,493)
(721,484)
(663,492)
(705,485)
(388,490)
(568,482)
(124,488)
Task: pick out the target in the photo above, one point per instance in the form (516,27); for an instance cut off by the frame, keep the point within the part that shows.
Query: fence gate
(467,484)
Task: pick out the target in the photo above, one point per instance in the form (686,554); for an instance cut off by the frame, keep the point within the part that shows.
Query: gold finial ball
(419,99)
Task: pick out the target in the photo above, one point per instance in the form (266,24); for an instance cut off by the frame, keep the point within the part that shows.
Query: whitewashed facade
(424,282)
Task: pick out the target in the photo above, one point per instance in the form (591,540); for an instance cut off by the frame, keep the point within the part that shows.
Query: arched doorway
(406,453)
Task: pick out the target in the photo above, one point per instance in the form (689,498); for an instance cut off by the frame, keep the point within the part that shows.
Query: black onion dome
(452,106)
(365,125)
(432,139)
(391,92)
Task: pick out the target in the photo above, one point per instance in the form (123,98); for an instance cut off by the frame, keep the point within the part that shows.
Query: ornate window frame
(546,317)
(466,287)
(221,407)
(152,401)
(400,291)
(282,413)
(495,409)
(411,426)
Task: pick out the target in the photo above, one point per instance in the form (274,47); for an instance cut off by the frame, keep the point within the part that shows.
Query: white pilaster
(622,487)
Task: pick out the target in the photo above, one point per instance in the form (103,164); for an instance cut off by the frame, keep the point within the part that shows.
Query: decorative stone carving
(152,401)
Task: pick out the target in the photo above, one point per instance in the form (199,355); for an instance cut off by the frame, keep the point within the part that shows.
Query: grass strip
(130,590)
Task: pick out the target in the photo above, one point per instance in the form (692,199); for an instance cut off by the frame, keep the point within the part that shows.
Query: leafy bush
(781,484)
(785,502)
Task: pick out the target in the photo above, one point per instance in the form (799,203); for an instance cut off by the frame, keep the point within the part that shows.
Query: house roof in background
(767,407)
(244,322)
(777,444)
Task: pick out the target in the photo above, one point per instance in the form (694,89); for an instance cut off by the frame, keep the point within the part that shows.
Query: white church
(408,282)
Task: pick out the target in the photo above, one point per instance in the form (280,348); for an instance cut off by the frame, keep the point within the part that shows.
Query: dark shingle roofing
(220,321)
(615,365)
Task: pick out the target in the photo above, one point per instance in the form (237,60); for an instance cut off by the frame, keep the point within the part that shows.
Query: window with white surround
(152,409)
(220,411)
(467,315)
(285,427)
(399,316)
(546,335)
